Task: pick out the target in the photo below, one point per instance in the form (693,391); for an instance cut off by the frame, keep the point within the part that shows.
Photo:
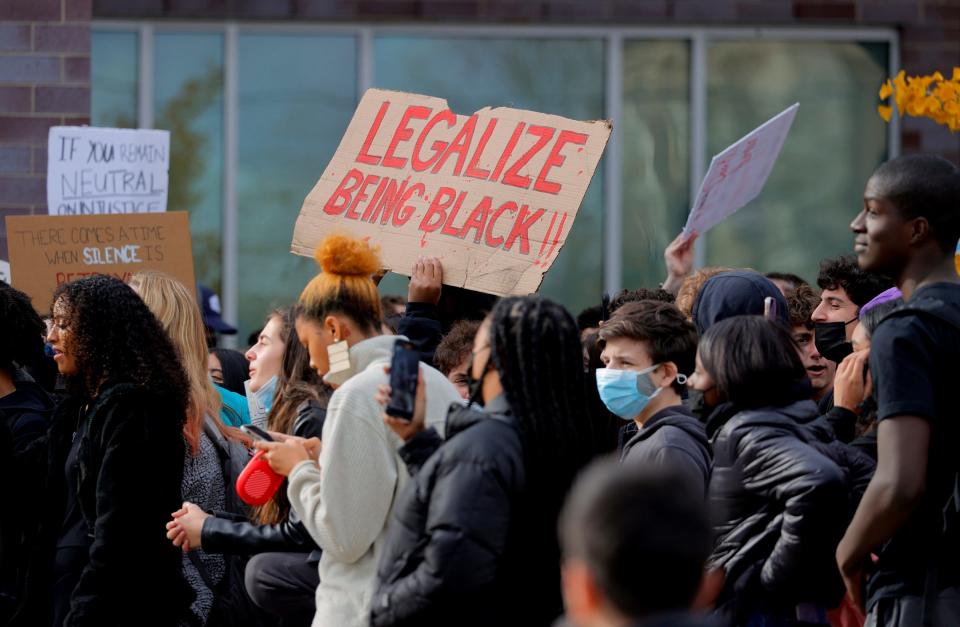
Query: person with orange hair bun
(345,493)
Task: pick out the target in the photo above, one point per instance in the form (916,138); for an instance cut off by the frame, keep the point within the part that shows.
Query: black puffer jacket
(230,534)
(131,468)
(672,438)
(782,491)
(461,546)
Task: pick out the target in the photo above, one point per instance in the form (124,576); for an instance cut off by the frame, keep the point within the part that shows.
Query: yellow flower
(932,96)
(885,112)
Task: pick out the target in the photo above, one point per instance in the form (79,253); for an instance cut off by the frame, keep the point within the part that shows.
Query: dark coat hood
(735,293)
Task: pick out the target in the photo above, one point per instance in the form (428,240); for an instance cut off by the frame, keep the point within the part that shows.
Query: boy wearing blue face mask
(648,347)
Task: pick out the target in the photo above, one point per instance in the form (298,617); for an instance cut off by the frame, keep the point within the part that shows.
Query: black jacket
(26,412)
(782,491)
(131,469)
(462,546)
(25,417)
(421,325)
(672,437)
(226,533)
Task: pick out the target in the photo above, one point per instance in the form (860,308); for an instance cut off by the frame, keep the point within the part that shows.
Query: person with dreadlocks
(345,500)
(473,539)
(281,577)
(110,467)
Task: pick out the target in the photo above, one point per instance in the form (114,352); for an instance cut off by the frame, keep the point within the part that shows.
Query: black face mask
(831,340)
(475,386)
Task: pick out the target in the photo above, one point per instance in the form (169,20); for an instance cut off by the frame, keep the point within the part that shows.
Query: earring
(338,354)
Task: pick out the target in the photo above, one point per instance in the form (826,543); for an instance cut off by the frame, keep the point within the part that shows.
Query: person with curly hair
(801,303)
(110,468)
(345,497)
(25,410)
(452,357)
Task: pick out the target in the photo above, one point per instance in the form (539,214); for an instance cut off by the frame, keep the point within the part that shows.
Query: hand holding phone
(404,370)
(257,433)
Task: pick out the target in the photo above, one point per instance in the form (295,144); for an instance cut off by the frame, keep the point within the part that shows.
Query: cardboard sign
(493,195)
(93,171)
(738,174)
(46,251)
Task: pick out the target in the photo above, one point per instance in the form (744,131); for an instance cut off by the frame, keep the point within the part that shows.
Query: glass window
(560,76)
(290,120)
(188,102)
(113,89)
(655,147)
(836,142)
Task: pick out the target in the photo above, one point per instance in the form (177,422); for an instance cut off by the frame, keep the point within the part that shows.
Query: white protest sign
(737,175)
(493,195)
(95,171)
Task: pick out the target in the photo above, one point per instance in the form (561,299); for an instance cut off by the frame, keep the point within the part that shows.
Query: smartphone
(256,433)
(404,368)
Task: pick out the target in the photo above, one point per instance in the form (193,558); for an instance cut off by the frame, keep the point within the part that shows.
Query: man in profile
(634,546)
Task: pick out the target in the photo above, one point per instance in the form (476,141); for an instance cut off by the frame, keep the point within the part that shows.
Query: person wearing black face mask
(845,289)
(473,538)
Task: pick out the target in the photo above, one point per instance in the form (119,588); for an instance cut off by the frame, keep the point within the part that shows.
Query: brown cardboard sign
(493,195)
(46,251)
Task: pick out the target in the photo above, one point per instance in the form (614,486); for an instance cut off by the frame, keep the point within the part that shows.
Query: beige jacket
(346,503)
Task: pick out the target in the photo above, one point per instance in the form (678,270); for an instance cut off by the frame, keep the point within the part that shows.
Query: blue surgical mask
(261,401)
(626,392)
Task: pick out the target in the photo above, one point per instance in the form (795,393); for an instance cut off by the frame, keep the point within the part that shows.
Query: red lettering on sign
(447,230)
(438,209)
(402,134)
(364,156)
(401,217)
(340,199)
(472,169)
(477,219)
(376,197)
(361,196)
(438,146)
(512,177)
(491,241)
(508,150)
(391,201)
(521,230)
(556,159)
(460,145)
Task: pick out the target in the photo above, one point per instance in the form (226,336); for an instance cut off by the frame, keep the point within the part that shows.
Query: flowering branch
(931,97)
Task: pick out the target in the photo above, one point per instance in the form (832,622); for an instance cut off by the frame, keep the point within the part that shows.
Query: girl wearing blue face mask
(647,346)
(265,359)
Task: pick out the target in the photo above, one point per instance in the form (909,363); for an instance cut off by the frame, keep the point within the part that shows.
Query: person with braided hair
(110,468)
(473,538)
(345,497)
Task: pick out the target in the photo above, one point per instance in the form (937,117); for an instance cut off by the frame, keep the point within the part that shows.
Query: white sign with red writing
(493,195)
(737,175)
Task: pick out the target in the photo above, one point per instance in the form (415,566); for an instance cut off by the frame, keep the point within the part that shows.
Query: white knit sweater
(346,503)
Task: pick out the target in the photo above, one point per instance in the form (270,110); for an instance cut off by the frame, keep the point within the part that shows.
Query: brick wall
(930,29)
(44,81)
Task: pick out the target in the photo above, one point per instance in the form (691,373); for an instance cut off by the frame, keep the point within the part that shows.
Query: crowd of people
(728,448)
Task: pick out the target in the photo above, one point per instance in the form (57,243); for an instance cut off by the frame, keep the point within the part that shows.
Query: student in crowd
(801,302)
(588,320)
(229,369)
(908,230)
(691,286)
(622,566)
(110,468)
(631,296)
(344,499)
(265,358)
(215,454)
(781,485)
(786,281)
(213,321)
(452,357)
(473,538)
(393,308)
(735,293)
(854,400)
(845,287)
(25,410)
(281,577)
(648,350)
